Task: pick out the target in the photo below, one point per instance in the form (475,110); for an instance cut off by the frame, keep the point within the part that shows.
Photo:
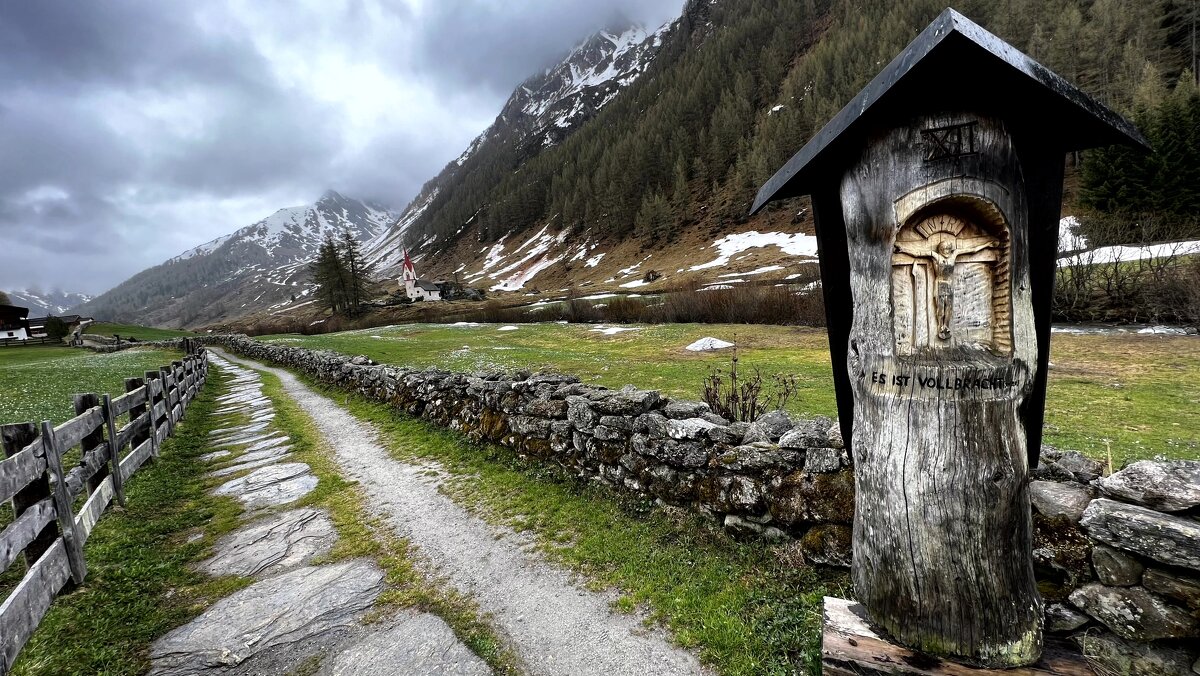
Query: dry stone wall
(1117,557)
(779,478)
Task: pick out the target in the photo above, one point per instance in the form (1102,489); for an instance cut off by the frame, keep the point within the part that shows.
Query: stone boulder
(1174,586)
(690,428)
(1134,613)
(1170,486)
(760,457)
(1116,568)
(808,433)
(813,498)
(1062,618)
(679,409)
(769,427)
(1083,468)
(1173,540)
(1114,655)
(828,545)
(825,460)
(1054,499)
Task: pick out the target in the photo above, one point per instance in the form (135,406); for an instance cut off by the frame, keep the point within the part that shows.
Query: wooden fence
(25,342)
(45,530)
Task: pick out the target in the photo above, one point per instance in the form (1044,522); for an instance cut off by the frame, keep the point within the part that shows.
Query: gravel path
(553,624)
(295,611)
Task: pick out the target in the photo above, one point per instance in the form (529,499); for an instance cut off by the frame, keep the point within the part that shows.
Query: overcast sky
(131,131)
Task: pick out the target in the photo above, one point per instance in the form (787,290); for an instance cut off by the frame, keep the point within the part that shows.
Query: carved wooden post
(936,193)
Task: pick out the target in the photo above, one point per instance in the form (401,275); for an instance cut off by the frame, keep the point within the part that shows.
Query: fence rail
(25,342)
(45,531)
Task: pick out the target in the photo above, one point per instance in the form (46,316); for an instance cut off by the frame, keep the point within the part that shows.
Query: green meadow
(36,383)
(1137,396)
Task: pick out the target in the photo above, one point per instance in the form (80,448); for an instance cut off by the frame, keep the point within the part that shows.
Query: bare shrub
(738,397)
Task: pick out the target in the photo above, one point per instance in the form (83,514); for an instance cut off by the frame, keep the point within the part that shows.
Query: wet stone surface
(273,544)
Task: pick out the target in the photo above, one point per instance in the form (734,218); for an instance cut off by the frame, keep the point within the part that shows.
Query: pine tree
(356,272)
(327,274)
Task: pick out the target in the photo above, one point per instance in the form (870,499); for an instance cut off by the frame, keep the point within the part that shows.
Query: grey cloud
(132,129)
(499,45)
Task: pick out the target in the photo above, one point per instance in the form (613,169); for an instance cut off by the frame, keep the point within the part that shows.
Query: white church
(418,289)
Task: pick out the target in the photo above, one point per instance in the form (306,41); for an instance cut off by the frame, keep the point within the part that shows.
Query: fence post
(14,438)
(152,376)
(114,450)
(82,403)
(180,371)
(167,376)
(62,504)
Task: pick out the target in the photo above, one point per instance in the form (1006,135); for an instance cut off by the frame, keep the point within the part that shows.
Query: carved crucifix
(944,251)
(944,301)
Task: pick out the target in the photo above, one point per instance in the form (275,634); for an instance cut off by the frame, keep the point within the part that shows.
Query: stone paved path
(552,623)
(295,610)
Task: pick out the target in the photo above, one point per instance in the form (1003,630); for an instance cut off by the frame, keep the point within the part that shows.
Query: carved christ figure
(944,255)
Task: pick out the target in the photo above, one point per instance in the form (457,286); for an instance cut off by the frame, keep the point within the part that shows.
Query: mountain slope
(47,303)
(256,268)
(666,169)
(541,112)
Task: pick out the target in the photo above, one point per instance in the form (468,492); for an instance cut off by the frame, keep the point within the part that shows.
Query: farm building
(13,323)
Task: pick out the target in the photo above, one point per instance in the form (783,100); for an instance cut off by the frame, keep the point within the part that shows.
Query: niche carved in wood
(950,284)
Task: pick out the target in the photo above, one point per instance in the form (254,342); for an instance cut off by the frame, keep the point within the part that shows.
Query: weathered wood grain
(25,607)
(850,647)
(942,536)
(135,431)
(24,530)
(72,432)
(86,520)
(134,460)
(23,439)
(131,399)
(62,504)
(90,464)
(114,455)
(94,440)
(17,471)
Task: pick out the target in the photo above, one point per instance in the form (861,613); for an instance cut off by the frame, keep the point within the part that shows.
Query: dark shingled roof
(955,64)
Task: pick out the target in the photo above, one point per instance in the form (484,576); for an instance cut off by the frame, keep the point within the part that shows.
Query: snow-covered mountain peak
(263,266)
(582,83)
(541,112)
(54,302)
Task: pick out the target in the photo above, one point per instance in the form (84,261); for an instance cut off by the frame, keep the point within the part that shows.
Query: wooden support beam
(83,403)
(154,387)
(62,504)
(852,646)
(168,378)
(15,439)
(25,607)
(114,455)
